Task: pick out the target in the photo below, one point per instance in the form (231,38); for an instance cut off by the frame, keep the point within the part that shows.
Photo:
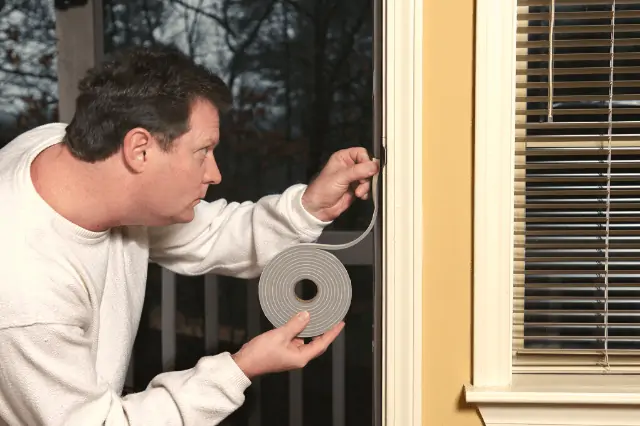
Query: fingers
(348,157)
(320,343)
(353,165)
(362,190)
(361,171)
(296,324)
(359,155)
(352,155)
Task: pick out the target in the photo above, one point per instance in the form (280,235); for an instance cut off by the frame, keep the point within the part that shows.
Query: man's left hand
(345,177)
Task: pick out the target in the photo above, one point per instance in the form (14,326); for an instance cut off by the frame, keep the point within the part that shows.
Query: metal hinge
(383,155)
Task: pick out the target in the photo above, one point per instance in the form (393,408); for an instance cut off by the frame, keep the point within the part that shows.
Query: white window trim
(402,213)
(504,398)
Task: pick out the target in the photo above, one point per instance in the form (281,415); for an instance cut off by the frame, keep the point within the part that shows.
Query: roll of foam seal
(316,263)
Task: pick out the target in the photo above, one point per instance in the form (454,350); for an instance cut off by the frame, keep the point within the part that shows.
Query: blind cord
(552,21)
(607,366)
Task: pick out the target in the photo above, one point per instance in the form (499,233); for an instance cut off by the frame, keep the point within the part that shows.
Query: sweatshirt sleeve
(51,380)
(236,239)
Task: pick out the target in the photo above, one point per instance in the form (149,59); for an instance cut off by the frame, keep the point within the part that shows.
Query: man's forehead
(203,110)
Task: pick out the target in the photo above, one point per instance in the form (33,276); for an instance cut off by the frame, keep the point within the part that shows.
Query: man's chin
(186,216)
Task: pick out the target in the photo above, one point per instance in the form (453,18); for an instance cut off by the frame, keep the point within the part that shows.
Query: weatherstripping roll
(313,262)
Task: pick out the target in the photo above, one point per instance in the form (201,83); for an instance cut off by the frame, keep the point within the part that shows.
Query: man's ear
(136,144)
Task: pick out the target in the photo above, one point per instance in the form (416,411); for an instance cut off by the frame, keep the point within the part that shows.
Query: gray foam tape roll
(314,262)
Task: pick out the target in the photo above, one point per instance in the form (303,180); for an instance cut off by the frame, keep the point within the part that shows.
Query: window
(557,274)
(577,212)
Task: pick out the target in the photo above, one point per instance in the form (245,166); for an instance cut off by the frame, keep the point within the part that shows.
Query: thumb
(359,171)
(296,324)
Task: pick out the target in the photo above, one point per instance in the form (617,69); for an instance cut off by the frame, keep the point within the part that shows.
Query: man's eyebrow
(206,143)
(209,142)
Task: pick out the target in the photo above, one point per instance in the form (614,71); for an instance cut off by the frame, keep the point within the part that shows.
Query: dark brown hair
(149,87)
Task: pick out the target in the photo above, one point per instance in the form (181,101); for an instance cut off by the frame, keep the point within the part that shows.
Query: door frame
(402,213)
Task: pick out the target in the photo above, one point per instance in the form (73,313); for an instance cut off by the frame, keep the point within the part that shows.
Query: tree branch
(146,11)
(28,74)
(348,44)
(209,15)
(299,9)
(239,52)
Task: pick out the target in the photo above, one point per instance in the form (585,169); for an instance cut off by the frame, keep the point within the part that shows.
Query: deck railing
(361,254)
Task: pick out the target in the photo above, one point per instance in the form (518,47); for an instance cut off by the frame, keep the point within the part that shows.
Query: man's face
(178,179)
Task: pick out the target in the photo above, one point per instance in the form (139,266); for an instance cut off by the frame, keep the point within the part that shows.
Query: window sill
(560,401)
(597,396)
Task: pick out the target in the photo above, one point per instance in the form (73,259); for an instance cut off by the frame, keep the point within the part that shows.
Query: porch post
(80,47)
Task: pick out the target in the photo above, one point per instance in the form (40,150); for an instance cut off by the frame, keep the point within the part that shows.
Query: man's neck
(83,193)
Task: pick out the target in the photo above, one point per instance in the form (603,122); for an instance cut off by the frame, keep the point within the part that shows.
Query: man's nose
(212,175)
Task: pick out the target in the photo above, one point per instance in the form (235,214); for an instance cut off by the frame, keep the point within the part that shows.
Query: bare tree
(28,80)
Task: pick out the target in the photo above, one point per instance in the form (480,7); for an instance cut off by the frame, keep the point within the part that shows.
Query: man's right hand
(280,350)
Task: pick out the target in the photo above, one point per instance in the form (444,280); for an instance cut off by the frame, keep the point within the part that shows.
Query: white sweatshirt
(71,299)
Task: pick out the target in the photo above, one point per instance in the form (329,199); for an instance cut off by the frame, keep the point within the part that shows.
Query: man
(86,206)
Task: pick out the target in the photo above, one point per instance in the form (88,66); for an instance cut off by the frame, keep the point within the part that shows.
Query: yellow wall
(448,190)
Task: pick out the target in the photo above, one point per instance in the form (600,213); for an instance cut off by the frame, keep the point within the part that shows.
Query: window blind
(577,187)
